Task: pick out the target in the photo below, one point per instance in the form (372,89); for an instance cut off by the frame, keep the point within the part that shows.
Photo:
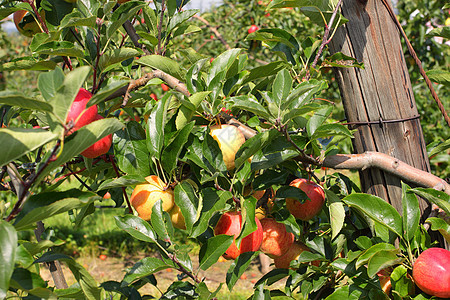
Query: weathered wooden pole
(379,99)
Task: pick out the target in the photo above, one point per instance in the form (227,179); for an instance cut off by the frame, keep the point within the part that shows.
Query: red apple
(276,240)
(230,224)
(164,87)
(293,253)
(78,113)
(431,272)
(312,206)
(153,96)
(99,147)
(253,28)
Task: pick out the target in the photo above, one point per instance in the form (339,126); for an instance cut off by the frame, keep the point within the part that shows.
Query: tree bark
(380,92)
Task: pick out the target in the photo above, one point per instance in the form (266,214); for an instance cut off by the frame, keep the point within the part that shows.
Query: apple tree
(162,152)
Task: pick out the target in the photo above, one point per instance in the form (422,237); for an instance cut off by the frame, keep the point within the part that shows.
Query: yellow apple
(230,139)
(177,217)
(145,196)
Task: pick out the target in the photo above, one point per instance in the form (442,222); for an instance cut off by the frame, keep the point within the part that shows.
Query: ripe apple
(276,240)
(26,24)
(153,96)
(230,223)
(177,217)
(100,147)
(431,272)
(253,28)
(230,139)
(164,87)
(78,113)
(312,206)
(145,195)
(293,253)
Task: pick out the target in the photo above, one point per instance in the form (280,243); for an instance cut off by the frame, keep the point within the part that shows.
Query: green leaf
(402,284)
(66,94)
(265,70)
(327,130)
(111,87)
(28,63)
(180,18)
(440,148)
(221,65)
(155,127)
(348,292)
(59,48)
(188,109)
(126,180)
(337,213)
(50,82)
(443,31)
(188,202)
(411,212)
(377,209)
(439,198)
(317,119)
(238,268)
(24,258)
(131,151)
(8,240)
(171,152)
(164,64)
(251,104)
(159,220)
(281,87)
(36,248)
(31,282)
(382,260)
(212,202)
(213,249)
(248,218)
(19,100)
(368,253)
(441,225)
(45,205)
(342,61)
(136,227)
(21,141)
(76,18)
(144,268)
(125,12)
(117,55)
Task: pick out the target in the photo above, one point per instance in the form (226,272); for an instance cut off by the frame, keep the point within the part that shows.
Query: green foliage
(265,80)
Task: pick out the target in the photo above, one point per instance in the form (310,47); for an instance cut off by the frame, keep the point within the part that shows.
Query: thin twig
(182,269)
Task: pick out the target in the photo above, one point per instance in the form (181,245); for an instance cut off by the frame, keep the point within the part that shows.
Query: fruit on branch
(293,253)
(230,223)
(431,272)
(385,280)
(230,139)
(78,114)
(153,96)
(26,24)
(177,217)
(312,206)
(253,28)
(145,195)
(100,147)
(164,87)
(276,240)
(262,211)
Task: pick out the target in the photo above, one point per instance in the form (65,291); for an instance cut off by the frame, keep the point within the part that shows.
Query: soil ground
(114,269)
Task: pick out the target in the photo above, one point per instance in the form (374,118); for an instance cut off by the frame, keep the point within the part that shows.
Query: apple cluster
(79,116)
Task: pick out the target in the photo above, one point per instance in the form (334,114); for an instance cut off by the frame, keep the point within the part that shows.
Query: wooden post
(379,93)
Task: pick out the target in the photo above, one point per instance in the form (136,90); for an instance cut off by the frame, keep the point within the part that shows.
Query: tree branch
(214,30)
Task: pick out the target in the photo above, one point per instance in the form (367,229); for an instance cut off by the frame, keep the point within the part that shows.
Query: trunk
(379,93)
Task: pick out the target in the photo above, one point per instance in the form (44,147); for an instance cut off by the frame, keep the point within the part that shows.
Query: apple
(164,87)
(177,217)
(78,114)
(145,195)
(261,212)
(312,206)
(431,272)
(385,280)
(230,139)
(276,240)
(230,223)
(153,96)
(100,147)
(283,262)
(26,24)
(253,28)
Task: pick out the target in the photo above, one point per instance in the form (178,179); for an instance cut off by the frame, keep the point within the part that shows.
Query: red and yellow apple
(100,147)
(293,253)
(78,114)
(26,24)
(312,206)
(431,272)
(276,240)
(230,223)
(230,139)
(145,195)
